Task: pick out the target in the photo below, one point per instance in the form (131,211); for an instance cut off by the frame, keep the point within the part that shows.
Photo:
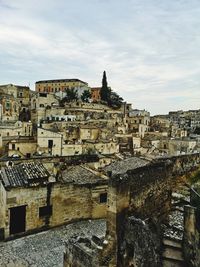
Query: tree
(86,95)
(105,91)
(71,95)
(115,100)
(107,95)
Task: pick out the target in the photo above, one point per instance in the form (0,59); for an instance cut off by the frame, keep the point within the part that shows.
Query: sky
(150,49)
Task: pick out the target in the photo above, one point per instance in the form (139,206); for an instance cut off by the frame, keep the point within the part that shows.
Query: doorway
(17,220)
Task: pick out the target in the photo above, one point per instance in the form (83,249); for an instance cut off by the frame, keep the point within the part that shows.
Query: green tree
(71,95)
(115,100)
(107,95)
(86,95)
(105,91)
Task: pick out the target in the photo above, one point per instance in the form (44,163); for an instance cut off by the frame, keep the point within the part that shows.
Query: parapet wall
(144,192)
(148,181)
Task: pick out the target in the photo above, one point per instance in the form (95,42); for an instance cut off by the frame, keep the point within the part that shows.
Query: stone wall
(34,198)
(143,192)
(142,244)
(69,203)
(74,202)
(191,238)
(2,210)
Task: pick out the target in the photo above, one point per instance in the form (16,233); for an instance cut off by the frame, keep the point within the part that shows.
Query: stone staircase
(173,231)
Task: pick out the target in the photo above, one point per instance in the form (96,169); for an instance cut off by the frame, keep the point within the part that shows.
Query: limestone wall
(69,203)
(33,198)
(143,192)
(72,202)
(2,208)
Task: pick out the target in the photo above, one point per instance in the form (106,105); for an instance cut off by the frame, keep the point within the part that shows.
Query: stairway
(173,231)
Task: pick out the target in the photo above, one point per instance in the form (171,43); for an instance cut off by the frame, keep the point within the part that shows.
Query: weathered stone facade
(50,203)
(144,192)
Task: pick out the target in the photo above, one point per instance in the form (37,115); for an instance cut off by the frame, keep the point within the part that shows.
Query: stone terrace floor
(46,249)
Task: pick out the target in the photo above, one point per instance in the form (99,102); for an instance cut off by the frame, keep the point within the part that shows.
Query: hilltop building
(59,85)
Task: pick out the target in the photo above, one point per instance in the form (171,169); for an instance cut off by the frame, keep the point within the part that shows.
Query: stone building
(138,121)
(89,132)
(32,199)
(9,108)
(17,131)
(140,230)
(43,100)
(49,142)
(53,86)
(20,93)
(24,147)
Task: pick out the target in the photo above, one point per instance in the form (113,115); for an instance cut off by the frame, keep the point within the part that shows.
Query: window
(103,198)
(50,143)
(45,211)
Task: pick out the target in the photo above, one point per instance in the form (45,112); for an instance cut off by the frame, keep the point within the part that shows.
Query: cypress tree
(105,91)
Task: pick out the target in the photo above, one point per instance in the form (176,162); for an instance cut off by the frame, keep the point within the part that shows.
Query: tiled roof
(24,174)
(80,175)
(122,166)
(60,81)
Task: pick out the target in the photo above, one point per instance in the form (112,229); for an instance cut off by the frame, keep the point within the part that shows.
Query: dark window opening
(50,143)
(103,198)
(2,234)
(43,95)
(13,146)
(45,211)
(17,219)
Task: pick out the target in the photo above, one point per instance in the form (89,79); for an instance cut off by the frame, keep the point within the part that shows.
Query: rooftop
(46,249)
(122,166)
(24,174)
(18,86)
(61,81)
(81,175)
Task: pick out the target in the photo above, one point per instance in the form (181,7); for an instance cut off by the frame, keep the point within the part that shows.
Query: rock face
(141,244)
(81,252)
(191,237)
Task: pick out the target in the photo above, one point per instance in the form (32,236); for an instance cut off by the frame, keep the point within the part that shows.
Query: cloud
(149,48)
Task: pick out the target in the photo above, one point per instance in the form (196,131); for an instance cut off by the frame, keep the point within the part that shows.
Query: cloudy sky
(150,49)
